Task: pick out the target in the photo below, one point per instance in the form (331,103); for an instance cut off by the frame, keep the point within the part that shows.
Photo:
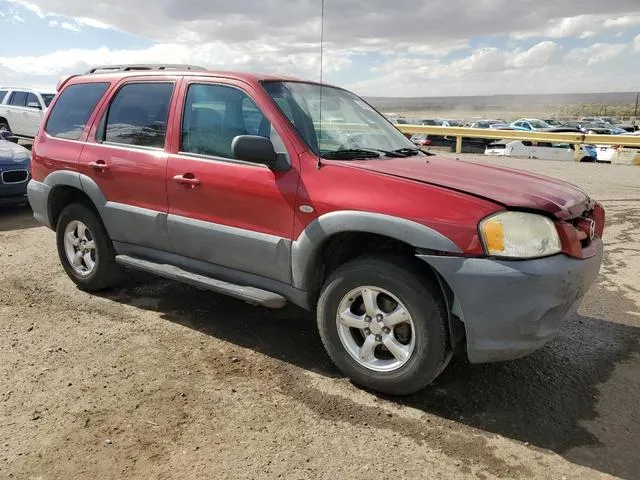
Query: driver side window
(216,114)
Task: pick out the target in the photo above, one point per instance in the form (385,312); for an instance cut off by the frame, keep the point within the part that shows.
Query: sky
(373,47)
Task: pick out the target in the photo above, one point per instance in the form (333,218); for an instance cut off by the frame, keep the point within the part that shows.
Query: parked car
(15,171)
(591,128)
(628,155)
(22,109)
(592,120)
(609,122)
(431,122)
(552,122)
(531,124)
(486,123)
(541,150)
(403,260)
(453,123)
(421,139)
(502,126)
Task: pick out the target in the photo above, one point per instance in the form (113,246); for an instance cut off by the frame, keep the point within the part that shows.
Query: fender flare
(83,183)
(307,247)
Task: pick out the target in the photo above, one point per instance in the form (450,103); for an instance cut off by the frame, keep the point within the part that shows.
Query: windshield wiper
(410,152)
(350,154)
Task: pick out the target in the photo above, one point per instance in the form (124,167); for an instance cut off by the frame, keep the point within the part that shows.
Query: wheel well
(344,247)
(2,119)
(62,196)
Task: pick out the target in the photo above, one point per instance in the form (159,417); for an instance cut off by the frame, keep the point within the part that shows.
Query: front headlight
(519,235)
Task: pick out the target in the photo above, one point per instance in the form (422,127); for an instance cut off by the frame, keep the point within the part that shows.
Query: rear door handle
(187,179)
(99,165)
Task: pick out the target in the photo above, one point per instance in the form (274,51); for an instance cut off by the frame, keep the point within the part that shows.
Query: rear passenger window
(19,99)
(2,95)
(214,115)
(73,108)
(31,98)
(138,115)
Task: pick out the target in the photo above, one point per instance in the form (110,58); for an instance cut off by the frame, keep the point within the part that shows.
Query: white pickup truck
(22,110)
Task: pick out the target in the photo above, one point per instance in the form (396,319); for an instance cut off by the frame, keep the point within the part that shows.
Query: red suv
(234,183)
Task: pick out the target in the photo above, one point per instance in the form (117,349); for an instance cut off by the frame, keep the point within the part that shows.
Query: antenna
(319,164)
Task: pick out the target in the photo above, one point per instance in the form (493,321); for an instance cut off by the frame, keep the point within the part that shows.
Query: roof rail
(133,67)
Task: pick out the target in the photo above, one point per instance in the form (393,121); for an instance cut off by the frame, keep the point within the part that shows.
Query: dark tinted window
(138,115)
(18,99)
(2,95)
(31,98)
(73,109)
(214,115)
(47,97)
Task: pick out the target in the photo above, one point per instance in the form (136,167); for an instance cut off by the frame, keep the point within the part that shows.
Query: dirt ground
(158,380)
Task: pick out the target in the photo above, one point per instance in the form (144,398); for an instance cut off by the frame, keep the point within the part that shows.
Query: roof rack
(129,68)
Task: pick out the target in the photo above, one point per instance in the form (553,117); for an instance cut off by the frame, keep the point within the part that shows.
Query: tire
(587,160)
(421,298)
(4,126)
(105,272)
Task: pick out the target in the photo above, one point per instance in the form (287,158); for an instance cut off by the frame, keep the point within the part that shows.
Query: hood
(12,154)
(509,187)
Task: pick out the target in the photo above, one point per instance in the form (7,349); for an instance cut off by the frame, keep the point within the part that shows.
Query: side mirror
(34,105)
(254,148)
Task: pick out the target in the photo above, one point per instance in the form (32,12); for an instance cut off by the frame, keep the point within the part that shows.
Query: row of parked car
(561,151)
(21,112)
(597,125)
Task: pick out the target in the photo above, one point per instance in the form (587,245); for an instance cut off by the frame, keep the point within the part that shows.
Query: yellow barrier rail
(459,133)
(535,136)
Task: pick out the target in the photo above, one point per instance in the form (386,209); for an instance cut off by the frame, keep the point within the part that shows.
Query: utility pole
(635,113)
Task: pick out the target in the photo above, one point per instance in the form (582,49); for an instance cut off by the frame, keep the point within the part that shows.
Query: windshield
(348,122)
(47,97)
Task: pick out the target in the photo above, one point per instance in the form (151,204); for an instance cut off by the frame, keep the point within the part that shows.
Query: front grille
(15,176)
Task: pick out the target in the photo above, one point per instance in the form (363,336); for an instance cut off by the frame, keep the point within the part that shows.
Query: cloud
(65,25)
(636,43)
(596,53)
(540,55)
(543,68)
(417,47)
(348,23)
(581,26)
(214,55)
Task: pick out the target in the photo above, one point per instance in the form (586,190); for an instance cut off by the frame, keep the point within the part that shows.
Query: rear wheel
(383,324)
(85,249)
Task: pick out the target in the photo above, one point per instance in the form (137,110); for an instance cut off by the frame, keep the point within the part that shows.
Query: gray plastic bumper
(38,194)
(511,308)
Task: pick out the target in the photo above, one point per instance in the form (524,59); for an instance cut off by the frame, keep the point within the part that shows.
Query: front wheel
(85,249)
(383,323)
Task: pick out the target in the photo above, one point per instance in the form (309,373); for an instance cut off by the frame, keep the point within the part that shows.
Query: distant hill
(504,102)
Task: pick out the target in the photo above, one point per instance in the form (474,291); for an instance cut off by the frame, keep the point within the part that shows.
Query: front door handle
(187,179)
(99,165)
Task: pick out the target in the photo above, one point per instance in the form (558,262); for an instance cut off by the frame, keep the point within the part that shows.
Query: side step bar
(251,295)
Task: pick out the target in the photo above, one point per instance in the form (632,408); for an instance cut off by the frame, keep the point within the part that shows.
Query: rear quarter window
(73,108)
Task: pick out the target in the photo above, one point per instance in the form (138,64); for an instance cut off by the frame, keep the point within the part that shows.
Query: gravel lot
(161,380)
